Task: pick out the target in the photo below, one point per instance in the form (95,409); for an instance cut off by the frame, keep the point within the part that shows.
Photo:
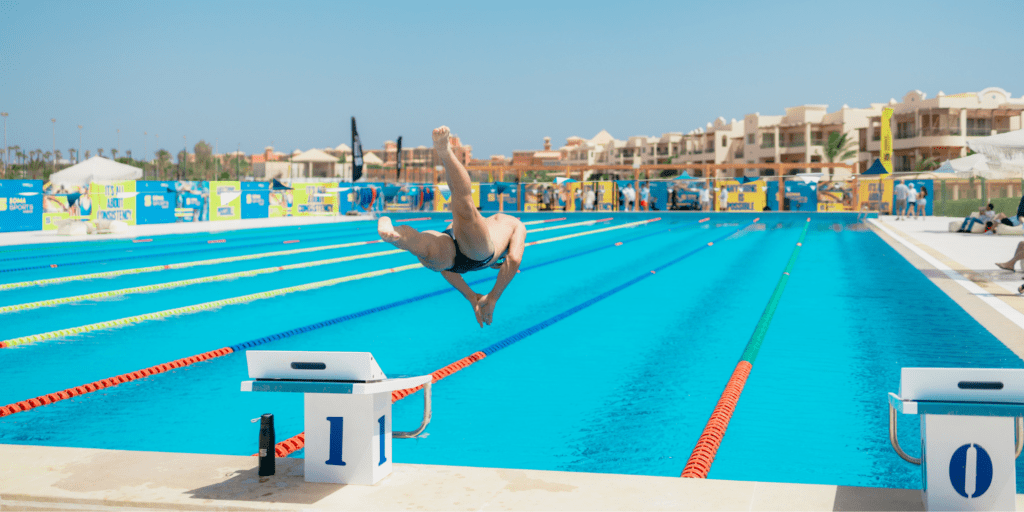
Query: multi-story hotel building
(940,127)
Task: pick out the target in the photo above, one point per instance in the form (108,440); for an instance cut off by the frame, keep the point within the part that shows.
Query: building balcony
(767,145)
(938,132)
(794,144)
(979,132)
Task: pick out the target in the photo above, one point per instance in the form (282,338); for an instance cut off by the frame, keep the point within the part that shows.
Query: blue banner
(21,205)
(255,199)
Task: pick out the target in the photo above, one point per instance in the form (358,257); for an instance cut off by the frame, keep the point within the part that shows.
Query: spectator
(723,198)
(922,202)
(591,198)
(645,197)
(705,198)
(630,198)
(901,191)
(911,201)
(1019,254)
(983,216)
(546,198)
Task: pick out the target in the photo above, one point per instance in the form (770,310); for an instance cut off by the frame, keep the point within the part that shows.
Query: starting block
(971,434)
(347,401)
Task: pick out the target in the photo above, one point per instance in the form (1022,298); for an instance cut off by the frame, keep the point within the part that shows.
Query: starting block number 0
(337,436)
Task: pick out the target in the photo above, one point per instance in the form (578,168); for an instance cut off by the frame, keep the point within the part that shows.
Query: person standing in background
(911,201)
(723,198)
(900,208)
(922,202)
(705,198)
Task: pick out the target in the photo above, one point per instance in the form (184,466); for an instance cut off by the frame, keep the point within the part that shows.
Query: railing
(794,144)
(979,132)
(939,132)
(818,142)
(767,145)
(906,134)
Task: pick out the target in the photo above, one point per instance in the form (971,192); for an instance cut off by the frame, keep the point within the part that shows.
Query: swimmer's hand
(483,307)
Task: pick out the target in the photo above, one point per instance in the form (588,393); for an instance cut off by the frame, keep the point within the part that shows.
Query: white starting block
(969,420)
(347,409)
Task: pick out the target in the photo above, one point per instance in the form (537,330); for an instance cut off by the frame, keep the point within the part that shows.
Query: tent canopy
(315,156)
(684,176)
(876,168)
(96,168)
(974,162)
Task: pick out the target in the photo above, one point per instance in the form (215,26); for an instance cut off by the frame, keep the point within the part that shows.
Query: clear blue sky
(502,75)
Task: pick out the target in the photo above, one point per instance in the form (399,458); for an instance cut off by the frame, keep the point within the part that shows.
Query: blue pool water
(622,385)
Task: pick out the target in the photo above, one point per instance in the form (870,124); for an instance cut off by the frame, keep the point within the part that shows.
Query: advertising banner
(746,197)
(918,185)
(225,200)
(255,199)
(885,153)
(113,200)
(874,194)
(489,197)
(62,202)
(21,205)
(192,201)
(155,202)
(312,199)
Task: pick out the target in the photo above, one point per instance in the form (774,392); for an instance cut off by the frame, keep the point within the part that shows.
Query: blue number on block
(383,459)
(336,438)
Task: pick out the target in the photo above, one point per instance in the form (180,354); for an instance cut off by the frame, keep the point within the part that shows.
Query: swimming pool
(614,369)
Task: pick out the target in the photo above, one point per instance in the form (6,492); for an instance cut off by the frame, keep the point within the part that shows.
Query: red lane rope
(50,398)
(293,444)
(711,438)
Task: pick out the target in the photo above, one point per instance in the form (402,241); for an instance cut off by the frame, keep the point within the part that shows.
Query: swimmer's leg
(468,225)
(426,246)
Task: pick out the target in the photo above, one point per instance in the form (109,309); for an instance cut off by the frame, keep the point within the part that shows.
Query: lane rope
(295,443)
(131,320)
(571,225)
(703,455)
(189,282)
(176,266)
(28,404)
(532,222)
(110,324)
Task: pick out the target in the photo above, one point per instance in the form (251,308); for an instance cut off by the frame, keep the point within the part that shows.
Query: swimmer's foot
(387,231)
(441,136)
(1005,266)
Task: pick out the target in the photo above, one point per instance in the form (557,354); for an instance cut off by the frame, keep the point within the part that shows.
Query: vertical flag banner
(398,163)
(886,146)
(357,153)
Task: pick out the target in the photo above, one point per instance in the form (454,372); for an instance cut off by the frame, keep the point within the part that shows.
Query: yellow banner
(886,146)
(748,197)
(874,194)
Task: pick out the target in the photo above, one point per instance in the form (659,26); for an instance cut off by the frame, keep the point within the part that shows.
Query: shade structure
(876,168)
(684,176)
(975,162)
(96,168)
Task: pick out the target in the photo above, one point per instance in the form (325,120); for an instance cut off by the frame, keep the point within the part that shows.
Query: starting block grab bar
(1018,423)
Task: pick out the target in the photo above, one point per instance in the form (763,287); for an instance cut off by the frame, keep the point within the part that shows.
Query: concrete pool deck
(51,478)
(55,478)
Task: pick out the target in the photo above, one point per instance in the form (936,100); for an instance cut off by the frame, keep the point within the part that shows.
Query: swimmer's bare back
(472,242)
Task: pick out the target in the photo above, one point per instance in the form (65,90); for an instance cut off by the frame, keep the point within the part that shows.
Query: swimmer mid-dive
(470,243)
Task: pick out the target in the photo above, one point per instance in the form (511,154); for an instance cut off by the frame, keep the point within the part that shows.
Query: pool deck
(50,478)
(55,478)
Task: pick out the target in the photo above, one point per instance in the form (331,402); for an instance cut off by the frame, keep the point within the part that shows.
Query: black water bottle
(267,445)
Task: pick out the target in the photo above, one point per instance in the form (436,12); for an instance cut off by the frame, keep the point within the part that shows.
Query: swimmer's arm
(459,283)
(509,269)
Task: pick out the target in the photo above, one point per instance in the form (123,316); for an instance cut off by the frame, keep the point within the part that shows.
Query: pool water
(624,384)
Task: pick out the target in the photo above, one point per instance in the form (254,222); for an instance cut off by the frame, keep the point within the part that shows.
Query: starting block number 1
(337,437)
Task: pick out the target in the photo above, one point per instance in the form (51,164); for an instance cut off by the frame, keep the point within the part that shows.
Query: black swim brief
(462,263)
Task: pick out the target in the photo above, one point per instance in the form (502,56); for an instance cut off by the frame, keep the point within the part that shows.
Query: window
(768,140)
(725,140)
(750,138)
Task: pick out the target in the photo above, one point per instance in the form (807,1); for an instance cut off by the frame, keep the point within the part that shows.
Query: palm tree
(839,147)
(926,164)
(113,153)
(99,151)
(87,155)
(128,153)
(162,158)
(71,154)
(57,155)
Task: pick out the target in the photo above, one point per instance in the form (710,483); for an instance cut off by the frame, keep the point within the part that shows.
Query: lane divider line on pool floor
(295,443)
(25,405)
(121,322)
(176,266)
(711,437)
(190,282)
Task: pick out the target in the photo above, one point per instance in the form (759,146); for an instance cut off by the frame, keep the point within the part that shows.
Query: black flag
(398,164)
(357,154)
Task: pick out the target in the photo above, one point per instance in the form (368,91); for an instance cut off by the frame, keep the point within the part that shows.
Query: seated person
(1000,218)
(982,216)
